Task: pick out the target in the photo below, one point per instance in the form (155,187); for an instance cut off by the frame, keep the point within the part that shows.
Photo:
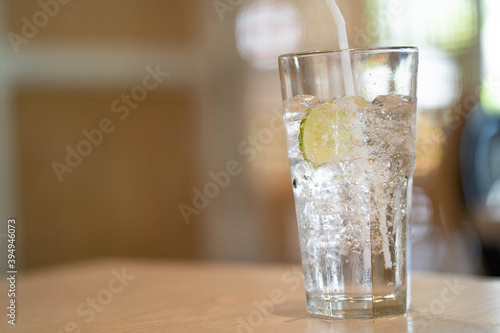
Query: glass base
(356,307)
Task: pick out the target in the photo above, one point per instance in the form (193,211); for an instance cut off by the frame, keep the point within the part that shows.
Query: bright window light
(490,95)
(266,29)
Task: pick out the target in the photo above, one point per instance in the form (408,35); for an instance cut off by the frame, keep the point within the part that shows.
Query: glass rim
(372,50)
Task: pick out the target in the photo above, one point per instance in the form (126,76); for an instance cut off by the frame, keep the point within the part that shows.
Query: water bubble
(390,101)
(348,127)
(301,103)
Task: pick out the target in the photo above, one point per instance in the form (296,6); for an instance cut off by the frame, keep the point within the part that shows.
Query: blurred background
(153,129)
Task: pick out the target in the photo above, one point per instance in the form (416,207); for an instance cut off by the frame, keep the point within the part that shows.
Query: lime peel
(326,135)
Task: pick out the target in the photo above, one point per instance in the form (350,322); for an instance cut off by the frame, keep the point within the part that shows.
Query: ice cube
(351,104)
(301,103)
(391,102)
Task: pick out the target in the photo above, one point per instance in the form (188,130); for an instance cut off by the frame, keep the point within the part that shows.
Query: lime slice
(326,134)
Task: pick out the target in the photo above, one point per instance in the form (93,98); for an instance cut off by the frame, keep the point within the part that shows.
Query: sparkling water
(353,214)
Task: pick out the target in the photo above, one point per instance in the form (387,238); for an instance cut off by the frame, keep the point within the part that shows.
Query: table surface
(156,296)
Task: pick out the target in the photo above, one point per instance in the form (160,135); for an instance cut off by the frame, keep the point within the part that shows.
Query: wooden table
(138,296)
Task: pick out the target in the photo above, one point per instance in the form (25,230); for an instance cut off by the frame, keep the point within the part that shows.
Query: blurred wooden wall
(123,198)
(146,22)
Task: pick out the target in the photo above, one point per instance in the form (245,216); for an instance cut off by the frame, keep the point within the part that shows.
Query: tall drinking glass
(351,162)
